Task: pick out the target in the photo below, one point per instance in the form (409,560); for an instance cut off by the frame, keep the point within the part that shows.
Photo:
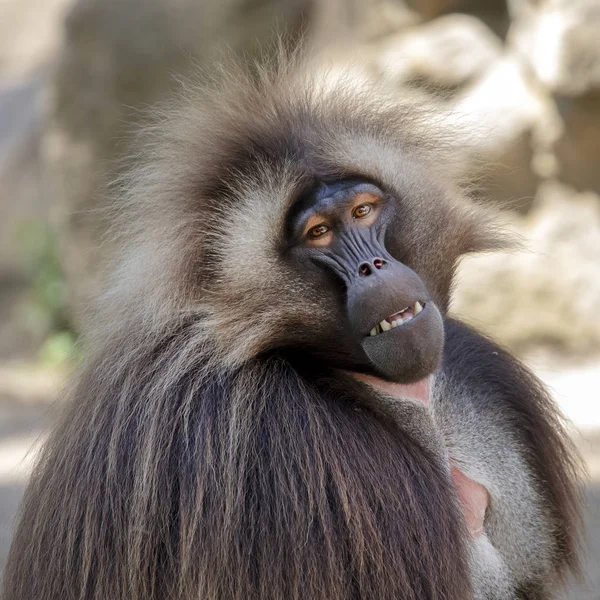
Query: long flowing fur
(197,456)
(168,479)
(517,413)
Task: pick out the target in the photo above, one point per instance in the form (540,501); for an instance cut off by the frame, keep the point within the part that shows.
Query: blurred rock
(120,57)
(444,54)
(30,34)
(558,39)
(21,129)
(373,19)
(434,8)
(499,124)
(18,341)
(492,12)
(549,294)
(578,147)
(23,197)
(19,183)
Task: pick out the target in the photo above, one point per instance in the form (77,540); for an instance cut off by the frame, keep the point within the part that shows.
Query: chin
(410,351)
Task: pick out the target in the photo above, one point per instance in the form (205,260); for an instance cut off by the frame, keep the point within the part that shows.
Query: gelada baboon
(275,405)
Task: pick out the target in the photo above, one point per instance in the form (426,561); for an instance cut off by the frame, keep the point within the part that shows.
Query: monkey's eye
(318,231)
(361,211)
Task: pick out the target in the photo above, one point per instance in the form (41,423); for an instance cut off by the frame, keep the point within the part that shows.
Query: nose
(368,268)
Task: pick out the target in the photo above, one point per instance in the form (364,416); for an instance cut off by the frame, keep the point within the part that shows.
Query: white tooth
(374,331)
(407,318)
(418,308)
(385,325)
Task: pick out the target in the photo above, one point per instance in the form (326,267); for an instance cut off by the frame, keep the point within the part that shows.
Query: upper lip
(398,318)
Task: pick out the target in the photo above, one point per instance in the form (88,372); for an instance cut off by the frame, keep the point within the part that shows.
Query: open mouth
(398,319)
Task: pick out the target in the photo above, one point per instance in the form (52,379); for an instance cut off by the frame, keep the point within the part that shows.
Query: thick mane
(167,479)
(266,133)
(474,363)
(205,144)
(197,457)
(184,465)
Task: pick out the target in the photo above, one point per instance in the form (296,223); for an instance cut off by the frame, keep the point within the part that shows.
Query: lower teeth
(386,326)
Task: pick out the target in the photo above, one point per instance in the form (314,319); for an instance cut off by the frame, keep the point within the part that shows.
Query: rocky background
(516,82)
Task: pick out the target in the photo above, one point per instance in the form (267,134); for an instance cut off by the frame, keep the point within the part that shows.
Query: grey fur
(198,458)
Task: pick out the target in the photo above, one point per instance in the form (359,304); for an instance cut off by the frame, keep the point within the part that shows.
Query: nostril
(378,263)
(364,269)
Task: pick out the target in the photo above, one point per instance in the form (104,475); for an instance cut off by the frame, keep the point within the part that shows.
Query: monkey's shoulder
(474,362)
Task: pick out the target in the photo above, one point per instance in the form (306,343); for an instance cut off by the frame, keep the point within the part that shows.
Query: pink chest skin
(473,496)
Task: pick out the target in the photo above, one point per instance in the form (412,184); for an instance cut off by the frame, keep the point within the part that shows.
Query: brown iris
(318,230)
(361,211)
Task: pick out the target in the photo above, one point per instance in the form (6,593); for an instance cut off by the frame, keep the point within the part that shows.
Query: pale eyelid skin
(332,209)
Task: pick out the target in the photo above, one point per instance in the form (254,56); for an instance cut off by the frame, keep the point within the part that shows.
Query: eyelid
(312,222)
(369,198)
(310,234)
(373,201)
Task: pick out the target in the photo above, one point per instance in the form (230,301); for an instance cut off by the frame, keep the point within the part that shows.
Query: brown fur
(205,452)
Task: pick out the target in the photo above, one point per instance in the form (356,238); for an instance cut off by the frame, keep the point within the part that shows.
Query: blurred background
(517,82)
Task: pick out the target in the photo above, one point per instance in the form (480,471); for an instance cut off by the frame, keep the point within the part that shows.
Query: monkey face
(317,225)
(341,229)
